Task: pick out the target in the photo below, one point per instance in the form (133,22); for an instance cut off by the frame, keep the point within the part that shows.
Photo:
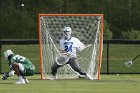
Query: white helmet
(67,32)
(7,53)
(67,29)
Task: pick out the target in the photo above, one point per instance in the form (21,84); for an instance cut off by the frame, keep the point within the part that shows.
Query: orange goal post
(88,28)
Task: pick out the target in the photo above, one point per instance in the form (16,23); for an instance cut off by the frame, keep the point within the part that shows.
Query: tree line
(19,18)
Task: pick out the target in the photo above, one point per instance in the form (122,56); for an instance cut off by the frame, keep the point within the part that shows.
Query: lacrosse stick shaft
(88,46)
(85,47)
(136,57)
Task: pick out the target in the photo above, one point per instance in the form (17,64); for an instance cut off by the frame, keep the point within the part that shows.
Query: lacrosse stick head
(128,63)
(63,58)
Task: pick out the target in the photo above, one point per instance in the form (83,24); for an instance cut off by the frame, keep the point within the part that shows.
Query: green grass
(118,54)
(108,84)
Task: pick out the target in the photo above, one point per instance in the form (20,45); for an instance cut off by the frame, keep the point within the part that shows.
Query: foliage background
(122,17)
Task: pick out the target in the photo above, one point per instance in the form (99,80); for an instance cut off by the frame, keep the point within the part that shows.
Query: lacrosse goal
(87,27)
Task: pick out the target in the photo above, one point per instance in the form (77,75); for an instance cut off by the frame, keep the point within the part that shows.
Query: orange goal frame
(101,38)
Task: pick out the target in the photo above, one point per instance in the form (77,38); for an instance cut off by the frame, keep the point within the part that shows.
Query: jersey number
(19,58)
(68,48)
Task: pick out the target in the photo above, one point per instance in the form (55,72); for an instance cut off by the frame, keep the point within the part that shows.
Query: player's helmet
(7,53)
(67,32)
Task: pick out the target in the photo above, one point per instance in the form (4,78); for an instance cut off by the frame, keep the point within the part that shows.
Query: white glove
(80,48)
(11,73)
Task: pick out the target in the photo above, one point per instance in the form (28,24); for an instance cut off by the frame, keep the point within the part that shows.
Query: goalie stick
(63,58)
(130,62)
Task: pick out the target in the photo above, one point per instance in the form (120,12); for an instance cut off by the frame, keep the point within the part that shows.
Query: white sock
(20,77)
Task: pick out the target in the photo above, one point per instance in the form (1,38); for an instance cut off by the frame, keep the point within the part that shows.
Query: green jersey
(23,60)
(29,67)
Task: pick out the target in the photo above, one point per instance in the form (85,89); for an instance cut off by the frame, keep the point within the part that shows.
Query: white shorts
(21,68)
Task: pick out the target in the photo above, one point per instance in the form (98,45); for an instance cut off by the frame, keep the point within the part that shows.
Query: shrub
(130,34)
(107,33)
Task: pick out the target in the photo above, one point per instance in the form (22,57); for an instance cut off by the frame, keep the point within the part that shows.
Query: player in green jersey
(19,65)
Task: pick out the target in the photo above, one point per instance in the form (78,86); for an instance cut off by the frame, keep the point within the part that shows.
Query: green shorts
(25,70)
(29,72)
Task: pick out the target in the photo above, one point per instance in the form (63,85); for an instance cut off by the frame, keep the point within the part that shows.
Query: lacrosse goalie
(20,66)
(69,45)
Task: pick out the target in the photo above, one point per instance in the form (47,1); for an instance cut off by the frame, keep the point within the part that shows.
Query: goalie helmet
(67,33)
(7,53)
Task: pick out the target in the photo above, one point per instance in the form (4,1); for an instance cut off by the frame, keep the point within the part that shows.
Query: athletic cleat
(89,77)
(22,81)
(53,77)
(26,80)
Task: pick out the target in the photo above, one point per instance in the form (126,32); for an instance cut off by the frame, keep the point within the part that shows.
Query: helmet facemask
(67,33)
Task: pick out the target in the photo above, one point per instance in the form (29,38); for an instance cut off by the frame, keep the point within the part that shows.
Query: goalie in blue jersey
(19,65)
(70,45)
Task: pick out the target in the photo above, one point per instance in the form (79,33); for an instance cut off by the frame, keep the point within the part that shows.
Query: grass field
(123,83)
(118,54)
(108,84)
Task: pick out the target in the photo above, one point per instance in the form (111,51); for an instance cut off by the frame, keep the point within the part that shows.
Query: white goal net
(87,27)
